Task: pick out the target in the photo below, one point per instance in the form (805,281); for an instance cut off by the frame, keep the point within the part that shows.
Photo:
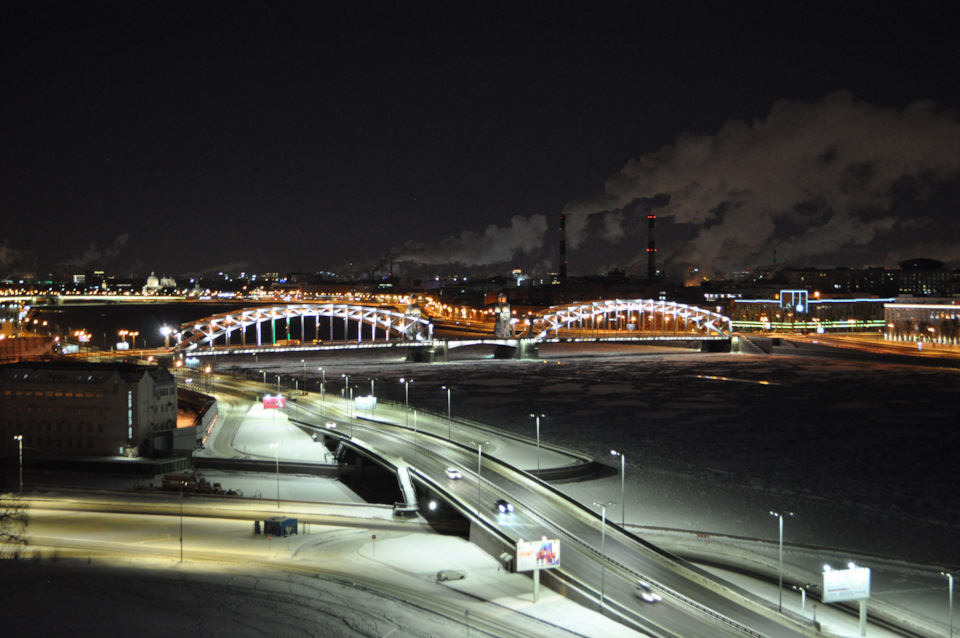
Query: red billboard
(271,402)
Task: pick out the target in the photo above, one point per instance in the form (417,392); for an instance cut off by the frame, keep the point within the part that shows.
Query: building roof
(80,371)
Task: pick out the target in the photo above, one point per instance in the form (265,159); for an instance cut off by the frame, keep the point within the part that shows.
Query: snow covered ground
(864,457)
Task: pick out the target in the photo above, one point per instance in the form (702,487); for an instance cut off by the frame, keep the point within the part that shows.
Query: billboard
(365,403)
(271,402)
(846,584)
(541,554)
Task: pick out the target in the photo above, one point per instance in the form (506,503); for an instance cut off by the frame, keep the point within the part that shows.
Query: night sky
(448,137)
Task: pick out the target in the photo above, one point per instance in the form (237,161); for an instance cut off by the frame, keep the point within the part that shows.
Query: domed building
(153,285)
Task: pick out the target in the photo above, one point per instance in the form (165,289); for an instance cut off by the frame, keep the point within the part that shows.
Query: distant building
(798,311)
(90,409)
(930,320)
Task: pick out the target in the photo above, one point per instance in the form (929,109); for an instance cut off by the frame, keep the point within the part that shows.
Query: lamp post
(19,439)
(603,541)
(181,521)
(373,399)
(803,607)
(449,421)
(165,331)
(780,590)
(537,417)
(406,400)
(350,409)
(479,464)
(275,446)
(264,378)
(323,387)
(950,594)
(623,474)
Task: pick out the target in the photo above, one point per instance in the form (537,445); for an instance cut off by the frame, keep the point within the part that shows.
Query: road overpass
(600,560)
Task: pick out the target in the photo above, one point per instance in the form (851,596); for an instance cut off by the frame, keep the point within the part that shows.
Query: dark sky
(188,137)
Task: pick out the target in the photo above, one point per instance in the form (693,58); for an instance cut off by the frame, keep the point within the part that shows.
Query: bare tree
(13,526)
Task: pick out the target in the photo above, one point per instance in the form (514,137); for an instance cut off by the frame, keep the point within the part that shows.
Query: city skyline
(427,138)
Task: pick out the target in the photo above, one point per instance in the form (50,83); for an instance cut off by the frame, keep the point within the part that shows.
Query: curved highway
(693,604)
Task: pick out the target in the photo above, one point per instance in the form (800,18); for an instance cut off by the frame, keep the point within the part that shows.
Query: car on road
(330,425)
(450,574)
(645,591)
(454,473)
(504,506)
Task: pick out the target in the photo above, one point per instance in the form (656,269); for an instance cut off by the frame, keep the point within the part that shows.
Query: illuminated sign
(845,584)
(271,402)
(365,403)
(541,554)
(794,301)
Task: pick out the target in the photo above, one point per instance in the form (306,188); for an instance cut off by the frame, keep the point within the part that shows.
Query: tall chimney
(563,247)
(651,249)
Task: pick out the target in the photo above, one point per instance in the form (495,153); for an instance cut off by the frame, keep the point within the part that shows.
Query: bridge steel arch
(206,331)
(637,317)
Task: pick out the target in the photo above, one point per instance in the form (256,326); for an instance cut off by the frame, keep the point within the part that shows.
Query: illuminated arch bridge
(620,318)
(246,327)
(602,320)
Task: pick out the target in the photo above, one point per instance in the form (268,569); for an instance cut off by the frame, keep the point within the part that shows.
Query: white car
(645,591)
(330,425)
(454,473)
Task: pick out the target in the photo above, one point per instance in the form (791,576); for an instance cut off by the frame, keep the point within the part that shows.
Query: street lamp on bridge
(623,500)
(449,430)
(603,539)
(406,400)
(780,588)
(479,465)
(323,387)
(538,417)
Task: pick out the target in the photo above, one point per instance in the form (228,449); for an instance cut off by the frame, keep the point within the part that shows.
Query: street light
(479,461)
(181,521)
(448,389)
(19,439)
(350,408)
(950,592)
(275,446)
(538,417)
(623,474)
(373,399)
(323,387)
(780,591)
(803,607)
(406,400)
(603,540)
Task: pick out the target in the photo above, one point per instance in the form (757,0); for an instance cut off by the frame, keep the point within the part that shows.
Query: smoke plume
(496,245)
(811,179)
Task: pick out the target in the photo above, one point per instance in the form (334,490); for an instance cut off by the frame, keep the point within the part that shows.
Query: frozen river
(864,455)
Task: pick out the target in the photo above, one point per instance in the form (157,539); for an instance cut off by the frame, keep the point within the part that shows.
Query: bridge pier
(438,352)
(525,349)
(717,346)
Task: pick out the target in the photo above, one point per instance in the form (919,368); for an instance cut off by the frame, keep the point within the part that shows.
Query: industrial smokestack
(651,249)
(563,247)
